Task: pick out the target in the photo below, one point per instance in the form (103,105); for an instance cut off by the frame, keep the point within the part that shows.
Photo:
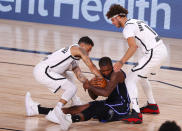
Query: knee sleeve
(69,90)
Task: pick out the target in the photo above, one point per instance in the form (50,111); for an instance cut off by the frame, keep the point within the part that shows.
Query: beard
(108,77)
(119,25)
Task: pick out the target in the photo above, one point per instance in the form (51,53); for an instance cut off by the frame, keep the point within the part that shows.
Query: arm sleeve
(75,63)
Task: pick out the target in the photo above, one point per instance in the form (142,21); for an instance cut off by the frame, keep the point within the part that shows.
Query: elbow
(135,47)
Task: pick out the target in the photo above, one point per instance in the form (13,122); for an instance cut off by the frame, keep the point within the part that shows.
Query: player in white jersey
(54,73)
(139,36)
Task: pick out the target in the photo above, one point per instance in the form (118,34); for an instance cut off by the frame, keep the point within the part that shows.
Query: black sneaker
(150,108)
(133,117)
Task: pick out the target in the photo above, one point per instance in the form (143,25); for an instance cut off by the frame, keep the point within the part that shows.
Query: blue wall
(162,15)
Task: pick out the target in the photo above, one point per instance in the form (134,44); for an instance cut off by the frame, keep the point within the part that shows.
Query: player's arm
(131,50)
(92,95)
(129,53)
(79,74)
(116,77)
(77,51)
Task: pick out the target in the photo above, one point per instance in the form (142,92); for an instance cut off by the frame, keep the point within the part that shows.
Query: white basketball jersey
(146,37)
(61,60)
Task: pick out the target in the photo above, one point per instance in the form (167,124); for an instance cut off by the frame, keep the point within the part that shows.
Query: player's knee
(70,76)
(69,90)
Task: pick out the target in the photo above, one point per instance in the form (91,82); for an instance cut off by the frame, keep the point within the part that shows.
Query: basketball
(98,82)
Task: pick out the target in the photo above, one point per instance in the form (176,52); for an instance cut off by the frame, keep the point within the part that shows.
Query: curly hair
(116,9)
(169,126)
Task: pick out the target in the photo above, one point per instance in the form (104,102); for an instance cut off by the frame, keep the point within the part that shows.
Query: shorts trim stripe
(142,77)
(133,70)
(74,58)
(57,89)
(142,43)
(51,76)
(123,113)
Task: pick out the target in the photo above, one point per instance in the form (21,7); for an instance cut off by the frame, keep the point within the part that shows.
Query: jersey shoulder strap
(74,57)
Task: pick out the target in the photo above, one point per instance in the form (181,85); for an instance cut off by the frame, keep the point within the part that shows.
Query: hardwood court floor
(22,45)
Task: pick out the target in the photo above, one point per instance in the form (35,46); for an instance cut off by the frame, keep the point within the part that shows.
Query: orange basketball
(98,82)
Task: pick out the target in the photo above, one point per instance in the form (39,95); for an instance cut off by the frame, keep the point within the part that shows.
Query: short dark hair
(105,61)
(169,126)
(86,40)
(116,9)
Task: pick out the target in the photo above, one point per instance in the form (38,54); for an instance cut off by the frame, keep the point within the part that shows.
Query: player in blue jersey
(114,108)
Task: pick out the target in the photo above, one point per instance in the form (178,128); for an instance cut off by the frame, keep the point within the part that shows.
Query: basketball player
(53,73)
(114,108)
(139,36)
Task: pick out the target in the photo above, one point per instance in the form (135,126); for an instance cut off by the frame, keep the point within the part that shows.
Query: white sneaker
(51,116)
(75,101)
(31,106)
(65,119)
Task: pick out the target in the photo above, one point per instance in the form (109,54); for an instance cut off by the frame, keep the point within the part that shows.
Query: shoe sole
(132,122)
(52,120)
(152,112)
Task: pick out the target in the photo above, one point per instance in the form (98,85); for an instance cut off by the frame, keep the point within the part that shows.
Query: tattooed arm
(79,74)
(77,51)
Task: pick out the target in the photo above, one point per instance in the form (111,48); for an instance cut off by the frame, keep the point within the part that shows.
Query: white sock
(148,91)
(135,105)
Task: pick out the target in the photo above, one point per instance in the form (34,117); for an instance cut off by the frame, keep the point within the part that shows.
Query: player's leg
(65,120)
(139,73)
(86,112)
(54,82)
(75,109)
(151,106)
(75,100)
(147,90)
(44,110)
(131,84)
(159,55)
(69,91)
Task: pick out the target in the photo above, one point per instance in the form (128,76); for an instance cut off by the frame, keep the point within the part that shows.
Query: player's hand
(86,85)
(97,82)
(117,66)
